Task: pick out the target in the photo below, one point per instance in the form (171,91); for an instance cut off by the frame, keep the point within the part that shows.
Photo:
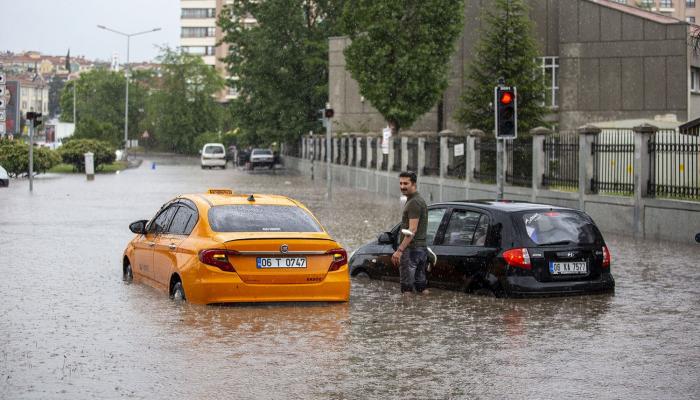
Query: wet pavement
(71,329)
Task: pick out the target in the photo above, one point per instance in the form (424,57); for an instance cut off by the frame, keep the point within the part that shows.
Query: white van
(4,177)
(213,155)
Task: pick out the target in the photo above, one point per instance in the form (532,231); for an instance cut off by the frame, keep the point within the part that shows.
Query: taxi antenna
(251,198)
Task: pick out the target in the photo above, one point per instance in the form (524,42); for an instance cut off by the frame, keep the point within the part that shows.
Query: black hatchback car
(511,249)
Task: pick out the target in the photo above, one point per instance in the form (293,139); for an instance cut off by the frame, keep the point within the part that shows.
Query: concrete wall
(613,65)
(663,219)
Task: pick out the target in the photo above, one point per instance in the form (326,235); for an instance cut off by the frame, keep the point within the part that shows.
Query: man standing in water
(412,254)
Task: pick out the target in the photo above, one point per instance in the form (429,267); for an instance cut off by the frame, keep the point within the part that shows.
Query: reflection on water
(71,329)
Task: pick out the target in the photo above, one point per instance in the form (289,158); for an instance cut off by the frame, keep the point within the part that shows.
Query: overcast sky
(53,26)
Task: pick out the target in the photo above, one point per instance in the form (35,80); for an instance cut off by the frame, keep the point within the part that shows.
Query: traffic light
(328,113)
(506,100)
(35,117)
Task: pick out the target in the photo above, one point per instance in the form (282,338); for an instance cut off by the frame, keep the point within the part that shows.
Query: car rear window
(558,227)
(262,152)
(214,150)
(261,218)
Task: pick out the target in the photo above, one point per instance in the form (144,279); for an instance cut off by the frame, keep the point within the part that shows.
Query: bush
(14,157)
(73,153)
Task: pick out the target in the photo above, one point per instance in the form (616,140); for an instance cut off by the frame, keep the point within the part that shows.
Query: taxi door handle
(172,246)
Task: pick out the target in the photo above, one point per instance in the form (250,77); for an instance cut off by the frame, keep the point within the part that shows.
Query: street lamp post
(127,75)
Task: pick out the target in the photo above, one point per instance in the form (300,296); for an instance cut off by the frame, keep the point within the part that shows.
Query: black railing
(613,162)
(519,168)
(352,157)
(373,149)
(412,155)
(385,162)
(675,166)
(432,157)
(396,143)
(486,170)
(362,157)
(561,161)
(456,158)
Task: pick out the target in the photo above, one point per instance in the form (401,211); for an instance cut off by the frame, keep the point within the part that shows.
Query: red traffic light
(507,98)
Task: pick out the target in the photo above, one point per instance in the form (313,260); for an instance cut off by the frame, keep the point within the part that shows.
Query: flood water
(71,329)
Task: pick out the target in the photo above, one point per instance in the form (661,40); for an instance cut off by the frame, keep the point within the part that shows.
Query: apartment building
(200,35)
(685,10)
(601,61)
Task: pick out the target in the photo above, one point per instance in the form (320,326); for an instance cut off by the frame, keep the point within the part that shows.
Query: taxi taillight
(217,258)
(606,257)
(519,258)
(340,258)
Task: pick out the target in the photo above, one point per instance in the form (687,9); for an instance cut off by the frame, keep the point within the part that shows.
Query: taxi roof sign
(220,191)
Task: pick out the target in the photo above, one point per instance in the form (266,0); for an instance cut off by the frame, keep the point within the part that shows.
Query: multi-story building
(601,61)
(200,35)
(685,10)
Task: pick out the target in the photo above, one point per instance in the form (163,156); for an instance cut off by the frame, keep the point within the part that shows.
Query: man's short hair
(410,175)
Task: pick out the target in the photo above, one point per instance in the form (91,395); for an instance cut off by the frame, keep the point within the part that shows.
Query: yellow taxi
(221,247)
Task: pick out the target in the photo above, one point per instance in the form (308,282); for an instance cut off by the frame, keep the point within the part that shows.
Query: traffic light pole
(500,170)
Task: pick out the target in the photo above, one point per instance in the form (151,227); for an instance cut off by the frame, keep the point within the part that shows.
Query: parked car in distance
(510,249)
(262,158)
(220,247)
(213,155)
(4,177)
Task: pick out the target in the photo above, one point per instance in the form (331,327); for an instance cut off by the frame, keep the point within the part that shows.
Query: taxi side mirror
(385,238)
(138,227)
(697,238)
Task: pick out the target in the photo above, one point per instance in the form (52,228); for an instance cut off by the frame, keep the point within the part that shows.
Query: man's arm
(413,227)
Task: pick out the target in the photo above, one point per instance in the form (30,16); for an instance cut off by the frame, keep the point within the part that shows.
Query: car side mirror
(138,227)
(385,238)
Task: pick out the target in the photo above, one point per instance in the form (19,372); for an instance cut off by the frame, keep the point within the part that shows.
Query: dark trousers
(412,269)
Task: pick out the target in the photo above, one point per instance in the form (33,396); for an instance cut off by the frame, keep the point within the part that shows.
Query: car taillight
(340,258)
(606,257)
(217,258)
(519,258)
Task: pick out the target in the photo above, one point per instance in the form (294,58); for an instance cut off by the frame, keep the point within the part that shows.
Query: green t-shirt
(416,208)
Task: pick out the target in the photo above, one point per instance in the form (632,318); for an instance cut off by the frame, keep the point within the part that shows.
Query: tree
(56,84)
(279,65)
(100,102)
(507,49)
(182,105)
(400,52)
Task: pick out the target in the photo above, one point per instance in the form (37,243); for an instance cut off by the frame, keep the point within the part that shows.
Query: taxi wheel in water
(128,274)
(177,292)
(362,276)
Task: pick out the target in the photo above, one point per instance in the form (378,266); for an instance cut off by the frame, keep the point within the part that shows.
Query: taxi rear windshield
(559,227)
(261,218)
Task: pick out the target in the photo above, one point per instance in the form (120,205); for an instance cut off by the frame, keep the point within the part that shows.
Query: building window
(690,19)
(695,80)
(198,32)
(689,3)
(620,1)
(550,74)
(646,3)
(199,50)
(665,4)
(198,13)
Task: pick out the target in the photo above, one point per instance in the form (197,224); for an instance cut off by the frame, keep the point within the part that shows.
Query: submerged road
(71,329)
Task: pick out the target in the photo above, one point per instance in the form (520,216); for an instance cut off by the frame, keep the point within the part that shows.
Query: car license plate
(281,262)
(568,268)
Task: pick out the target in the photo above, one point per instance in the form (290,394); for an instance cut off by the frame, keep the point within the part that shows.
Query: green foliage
(14,157)
(281,65)
(400,53)
(73,153)
(204,138)
(183,106)
(100,105)
(507,49)
(56,85)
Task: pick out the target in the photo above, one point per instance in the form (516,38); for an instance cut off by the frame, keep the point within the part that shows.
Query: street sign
(145,135)
(2,115)
(2,78)
(386,136)
(2,129)
(3,90)
(459,150)
(2,103)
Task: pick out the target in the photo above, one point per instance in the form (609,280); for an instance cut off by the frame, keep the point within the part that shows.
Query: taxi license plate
(281,262)
(568,268)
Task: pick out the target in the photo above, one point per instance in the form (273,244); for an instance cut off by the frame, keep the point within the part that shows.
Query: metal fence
(362,157)
(675,165)
(412,153)
(519,169)
(432,157)
(373,148)
(456,157)
(613,162)
(396,143)
(561,161)
(485,172)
